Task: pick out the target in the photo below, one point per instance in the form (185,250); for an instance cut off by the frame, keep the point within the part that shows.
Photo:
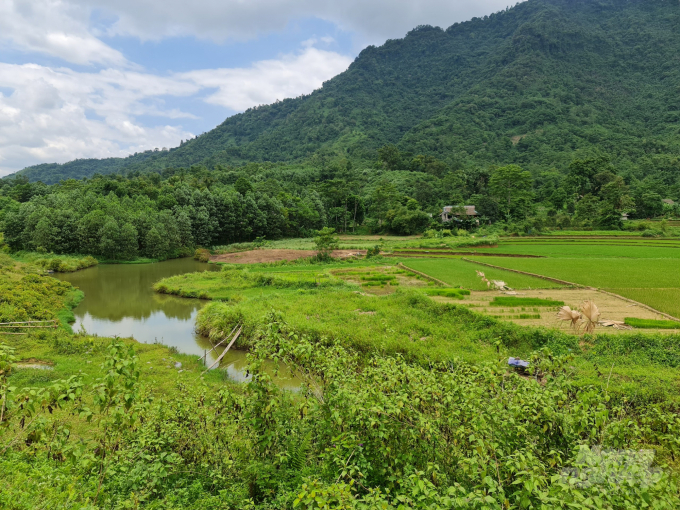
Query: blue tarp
(516,362)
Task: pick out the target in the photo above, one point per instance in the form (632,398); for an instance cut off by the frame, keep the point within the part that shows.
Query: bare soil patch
(277,255)
(611,307)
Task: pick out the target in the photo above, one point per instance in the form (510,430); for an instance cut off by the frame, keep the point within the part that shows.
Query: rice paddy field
(460,273)
(645,270)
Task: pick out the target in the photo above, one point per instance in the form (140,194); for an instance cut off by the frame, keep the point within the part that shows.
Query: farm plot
(381,280)
(539,307)
(652,281)
(591,249)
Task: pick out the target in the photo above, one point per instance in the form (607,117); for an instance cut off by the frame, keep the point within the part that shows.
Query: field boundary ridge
(432,278)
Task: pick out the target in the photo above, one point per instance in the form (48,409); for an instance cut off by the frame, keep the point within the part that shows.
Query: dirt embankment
(261,256)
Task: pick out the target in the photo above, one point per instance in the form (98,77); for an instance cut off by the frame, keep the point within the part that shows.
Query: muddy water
(120,301)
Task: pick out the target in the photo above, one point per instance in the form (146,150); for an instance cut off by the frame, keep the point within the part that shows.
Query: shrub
(202,255)
(373,252)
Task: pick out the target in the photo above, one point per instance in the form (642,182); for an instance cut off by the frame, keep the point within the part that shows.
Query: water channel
(120,301)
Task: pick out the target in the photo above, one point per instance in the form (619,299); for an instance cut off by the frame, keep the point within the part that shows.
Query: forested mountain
(532,85)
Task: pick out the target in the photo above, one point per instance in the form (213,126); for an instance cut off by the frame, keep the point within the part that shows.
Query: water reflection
(120,301)
(124,291)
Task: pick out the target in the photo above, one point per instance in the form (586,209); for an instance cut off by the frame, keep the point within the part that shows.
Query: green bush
(202,255)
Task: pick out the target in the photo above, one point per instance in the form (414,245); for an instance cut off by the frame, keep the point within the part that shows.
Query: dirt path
(260,256)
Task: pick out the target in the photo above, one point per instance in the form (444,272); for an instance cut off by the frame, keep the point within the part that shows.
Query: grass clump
(651,323)
(524,301)
(449,293)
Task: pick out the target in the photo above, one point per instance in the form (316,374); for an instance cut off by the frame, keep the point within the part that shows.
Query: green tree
(382,199)
(43,235)
(649,205)
(88,231)
(582,173)
(184,229)
(129,243)
(109,240)
(512,186)
(326,241)
(617,195)
(156,245)
(243,186)
(588,208)
(390,157)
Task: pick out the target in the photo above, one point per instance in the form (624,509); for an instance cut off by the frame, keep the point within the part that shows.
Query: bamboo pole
(215,346)
(225,350)
(9,333)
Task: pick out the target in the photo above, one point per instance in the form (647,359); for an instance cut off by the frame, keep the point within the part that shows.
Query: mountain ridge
(535,85)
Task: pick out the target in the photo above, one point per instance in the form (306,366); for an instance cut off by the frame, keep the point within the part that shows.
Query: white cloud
(269,80)
(61,114)
(48,117)
(373,20)
(56,28)
(62,28)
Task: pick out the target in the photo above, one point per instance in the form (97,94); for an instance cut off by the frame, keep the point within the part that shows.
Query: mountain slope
(533,85)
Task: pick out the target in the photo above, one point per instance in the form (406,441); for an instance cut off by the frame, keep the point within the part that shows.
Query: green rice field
(457,272)
(591,249)
(646,272)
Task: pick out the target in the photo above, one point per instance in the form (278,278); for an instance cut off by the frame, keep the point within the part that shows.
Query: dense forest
(537,85)
(169,213)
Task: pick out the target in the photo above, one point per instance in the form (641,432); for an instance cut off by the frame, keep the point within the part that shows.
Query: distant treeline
(168,213)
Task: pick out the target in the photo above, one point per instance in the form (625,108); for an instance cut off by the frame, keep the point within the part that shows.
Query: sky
(107,78)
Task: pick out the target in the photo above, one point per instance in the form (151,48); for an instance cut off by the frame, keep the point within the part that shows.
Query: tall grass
(56,263)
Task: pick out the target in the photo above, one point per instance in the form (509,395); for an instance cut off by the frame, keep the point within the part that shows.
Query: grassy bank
(27,294)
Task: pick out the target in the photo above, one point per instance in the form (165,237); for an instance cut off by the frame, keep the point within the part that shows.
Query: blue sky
(104,78)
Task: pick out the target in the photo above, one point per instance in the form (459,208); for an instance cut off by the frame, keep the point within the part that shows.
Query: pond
(120,301)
